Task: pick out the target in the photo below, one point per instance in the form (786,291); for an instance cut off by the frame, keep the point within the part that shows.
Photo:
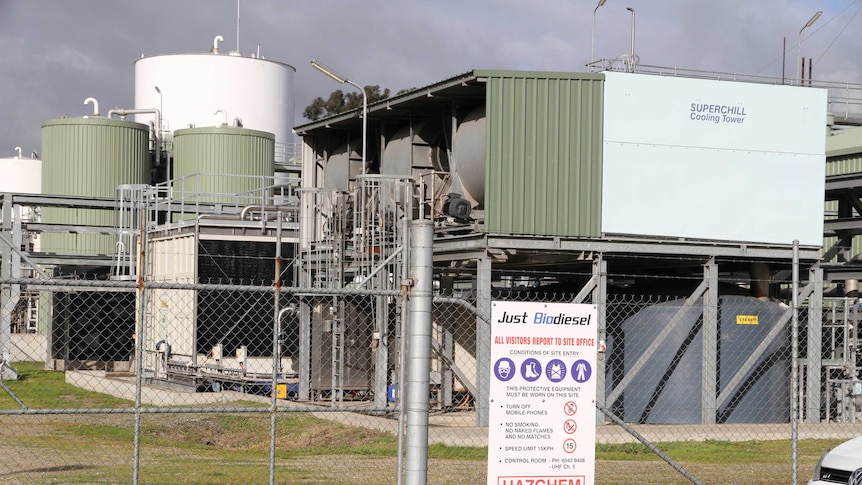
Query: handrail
(843,98)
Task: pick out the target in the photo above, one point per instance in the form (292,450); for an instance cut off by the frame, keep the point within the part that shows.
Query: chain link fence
(229,380)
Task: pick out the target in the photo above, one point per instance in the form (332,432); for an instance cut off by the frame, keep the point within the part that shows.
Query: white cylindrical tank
(205,90)
(21,175)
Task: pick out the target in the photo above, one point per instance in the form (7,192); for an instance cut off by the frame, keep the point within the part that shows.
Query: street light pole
(633,37)
(343,80)
(593,37)
(799,44)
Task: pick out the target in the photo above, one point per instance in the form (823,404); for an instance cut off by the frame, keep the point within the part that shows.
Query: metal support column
(709,362)
(813,377)
(419,360)
(304,369)
(381,344)
(448,347)
(600,300)
(483,339)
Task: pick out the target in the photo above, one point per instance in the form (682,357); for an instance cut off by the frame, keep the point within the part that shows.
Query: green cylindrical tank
(89,157)
(223,164)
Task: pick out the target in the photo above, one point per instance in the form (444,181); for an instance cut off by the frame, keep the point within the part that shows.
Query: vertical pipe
(276,354)
(419,352)
(140,338)
(794,367)
(402,345)
(237,26)
(802,73)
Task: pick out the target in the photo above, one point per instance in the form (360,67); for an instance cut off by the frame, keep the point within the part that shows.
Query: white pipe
(18,149)
(217,39)
(95,105)
(125,112)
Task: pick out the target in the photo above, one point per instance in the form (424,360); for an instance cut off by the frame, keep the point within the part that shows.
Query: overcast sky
(56,53)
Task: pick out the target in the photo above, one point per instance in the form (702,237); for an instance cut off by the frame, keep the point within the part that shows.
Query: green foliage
(339,102)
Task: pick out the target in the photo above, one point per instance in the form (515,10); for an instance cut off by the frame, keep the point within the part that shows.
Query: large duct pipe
(760,281)
(851,288)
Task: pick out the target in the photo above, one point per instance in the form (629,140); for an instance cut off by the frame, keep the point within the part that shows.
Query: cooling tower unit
(753,363)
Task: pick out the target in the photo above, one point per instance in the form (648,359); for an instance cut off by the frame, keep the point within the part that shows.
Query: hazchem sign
(542,394)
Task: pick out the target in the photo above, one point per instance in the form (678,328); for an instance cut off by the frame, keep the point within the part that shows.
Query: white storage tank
(21,175)
(211,89)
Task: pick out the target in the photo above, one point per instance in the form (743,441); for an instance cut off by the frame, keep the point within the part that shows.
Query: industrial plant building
(705,194)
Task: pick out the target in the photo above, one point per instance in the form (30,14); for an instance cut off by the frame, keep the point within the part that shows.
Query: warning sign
(542,394)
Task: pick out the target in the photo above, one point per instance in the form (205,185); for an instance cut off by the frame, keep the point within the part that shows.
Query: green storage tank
(89,157)
(224,164)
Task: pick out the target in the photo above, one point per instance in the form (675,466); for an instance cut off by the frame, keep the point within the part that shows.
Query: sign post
(542,394)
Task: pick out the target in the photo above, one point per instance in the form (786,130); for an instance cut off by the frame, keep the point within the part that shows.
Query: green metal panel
(543,168)
(840,165)
(223,164)
(89,157)
(844,164)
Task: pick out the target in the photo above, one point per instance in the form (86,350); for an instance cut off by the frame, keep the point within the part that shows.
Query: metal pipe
(276,347)
(633,37)
(419,352)
(216,40)
(126,112)
(95,105)
(276,208)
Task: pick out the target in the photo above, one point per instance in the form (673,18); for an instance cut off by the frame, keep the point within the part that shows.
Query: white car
(842,464)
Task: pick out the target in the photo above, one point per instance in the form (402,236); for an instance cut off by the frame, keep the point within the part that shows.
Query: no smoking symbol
(570,426)
(570,408)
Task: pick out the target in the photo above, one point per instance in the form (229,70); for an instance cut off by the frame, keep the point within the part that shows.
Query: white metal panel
(21,175)
(714,160)
(195,86)
(174,260)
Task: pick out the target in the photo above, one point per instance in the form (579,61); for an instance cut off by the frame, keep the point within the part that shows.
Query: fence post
(419,352)
(9,267)
(794,368)
(483,340)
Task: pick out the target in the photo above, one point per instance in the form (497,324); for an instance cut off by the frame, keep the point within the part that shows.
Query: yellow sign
(746,320)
